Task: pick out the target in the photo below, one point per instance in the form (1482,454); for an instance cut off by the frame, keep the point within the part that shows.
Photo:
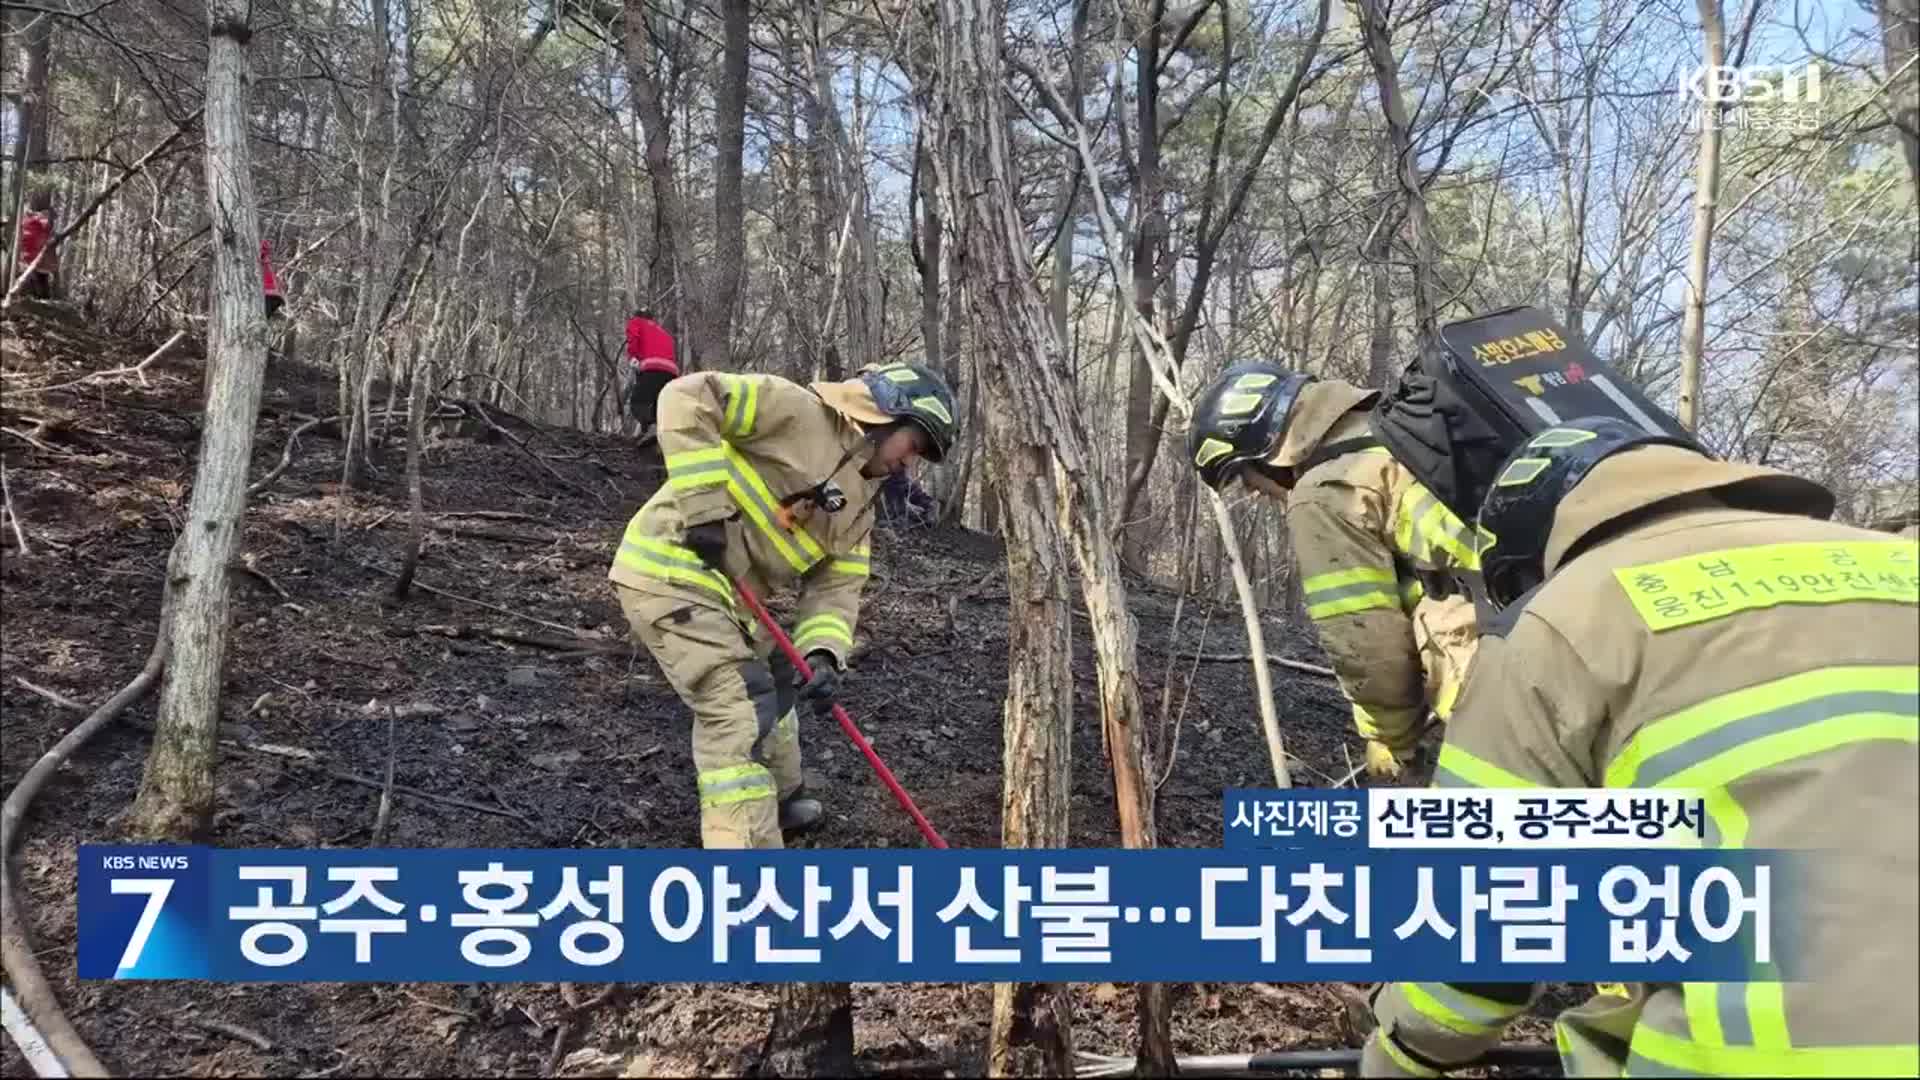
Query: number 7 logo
(156,890)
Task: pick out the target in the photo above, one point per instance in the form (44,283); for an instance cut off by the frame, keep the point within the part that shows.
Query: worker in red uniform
(36,234)
(274,299)
(650,353)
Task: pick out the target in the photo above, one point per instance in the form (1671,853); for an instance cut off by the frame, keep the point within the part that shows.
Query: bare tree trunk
(1143,434)
(1040,449)
(663,275)
(32,114)
(1069,196)
(930,251)
(1706,197)
(712,347)
(416,437)
(1386,74)
(1900,33)
(825,355)
(35,32)
(1380,366)
(176,794)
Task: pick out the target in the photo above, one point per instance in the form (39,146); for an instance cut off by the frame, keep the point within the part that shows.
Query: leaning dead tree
(1051,498)
(176,793)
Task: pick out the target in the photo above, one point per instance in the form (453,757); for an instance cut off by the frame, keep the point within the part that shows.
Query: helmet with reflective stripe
(1241,417)
(914,393)
(1519,507)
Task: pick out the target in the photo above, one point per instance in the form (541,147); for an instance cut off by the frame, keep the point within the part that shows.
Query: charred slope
(517,713)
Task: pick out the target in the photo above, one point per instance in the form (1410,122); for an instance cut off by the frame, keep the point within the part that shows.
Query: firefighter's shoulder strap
(1323,454)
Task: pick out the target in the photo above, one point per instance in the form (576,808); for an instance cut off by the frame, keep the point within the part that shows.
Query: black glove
(709,541)
(819,690)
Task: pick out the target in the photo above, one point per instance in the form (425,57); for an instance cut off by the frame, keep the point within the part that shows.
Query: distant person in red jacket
(650,353)
(274,299)
(36,232)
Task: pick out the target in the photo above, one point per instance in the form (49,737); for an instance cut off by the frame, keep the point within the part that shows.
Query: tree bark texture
(1406,165)
(1143,435)
(34,30)
(1040,448)
(176,794)
(1900,35)
(1706,206)
(713,347)
(664,279)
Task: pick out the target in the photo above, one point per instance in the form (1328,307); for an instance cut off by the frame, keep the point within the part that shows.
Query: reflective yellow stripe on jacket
(1658,1053)
(1741,1029)
(723,464)
(642,554)
(822,628)
(1344,592)
(1427,532)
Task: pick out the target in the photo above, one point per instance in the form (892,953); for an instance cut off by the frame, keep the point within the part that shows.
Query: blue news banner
(1319,909)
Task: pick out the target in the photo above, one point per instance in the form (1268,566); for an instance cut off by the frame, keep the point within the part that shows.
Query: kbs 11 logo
(1759,96)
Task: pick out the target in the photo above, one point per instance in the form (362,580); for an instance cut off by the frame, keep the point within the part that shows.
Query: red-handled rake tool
(846,722)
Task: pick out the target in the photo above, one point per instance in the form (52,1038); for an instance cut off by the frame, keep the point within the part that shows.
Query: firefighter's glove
(1383,762)
(819,690)
(709,541)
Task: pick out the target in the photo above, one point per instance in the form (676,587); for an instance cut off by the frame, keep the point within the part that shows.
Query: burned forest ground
(513,690)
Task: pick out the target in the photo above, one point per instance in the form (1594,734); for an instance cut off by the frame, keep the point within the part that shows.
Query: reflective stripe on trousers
(735,783)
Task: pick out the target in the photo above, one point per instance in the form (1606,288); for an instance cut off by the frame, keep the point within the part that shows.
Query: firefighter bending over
(1793,712)
(770,483)
(1377,553)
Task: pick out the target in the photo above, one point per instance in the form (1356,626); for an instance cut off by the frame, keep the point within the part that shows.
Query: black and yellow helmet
(1520,505)
(1241,417)
(914,393)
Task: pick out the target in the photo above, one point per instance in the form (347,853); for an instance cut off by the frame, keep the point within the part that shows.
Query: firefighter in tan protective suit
(1700,626)
(1376,551)
(770,483)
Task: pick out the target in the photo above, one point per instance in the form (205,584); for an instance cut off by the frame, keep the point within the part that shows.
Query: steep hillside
(509,730)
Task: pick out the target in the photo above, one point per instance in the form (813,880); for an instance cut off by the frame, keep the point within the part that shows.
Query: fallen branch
(1296,665)
(493,515)
(246,566)
(386,793)
(36,998)
(19,535)
(139,369)
(576,1011)
(478,603)
(286,455)
(18,434)
(481,532)
(470,632)
(521,445)
(310,758)
(54,696)
(233,1031)
(437,1007)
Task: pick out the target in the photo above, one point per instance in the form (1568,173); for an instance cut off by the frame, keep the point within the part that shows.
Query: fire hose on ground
(846,722)
(1276,1061)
